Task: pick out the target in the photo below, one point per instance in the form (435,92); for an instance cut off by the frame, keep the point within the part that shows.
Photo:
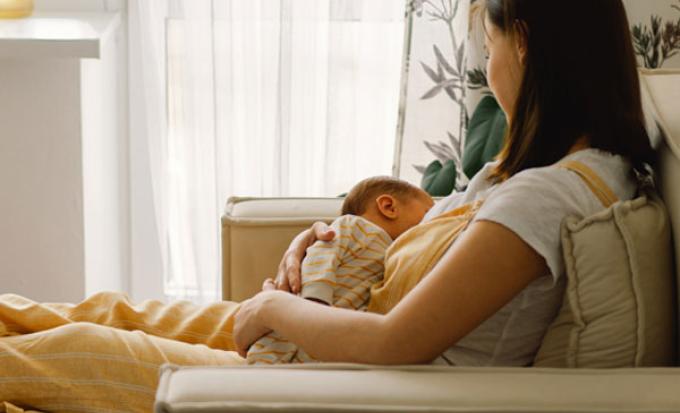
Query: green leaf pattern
(464,81)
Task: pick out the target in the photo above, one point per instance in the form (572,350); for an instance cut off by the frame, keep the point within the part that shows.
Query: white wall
(80,5)
(79,188)
(106,194)
(41,253)
(104,173)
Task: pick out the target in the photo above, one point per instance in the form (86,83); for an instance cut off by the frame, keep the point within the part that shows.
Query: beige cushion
(363,388)
(662,87)
(618,308)
(257,231)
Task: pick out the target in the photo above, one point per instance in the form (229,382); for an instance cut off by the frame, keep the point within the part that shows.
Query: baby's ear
(387,206)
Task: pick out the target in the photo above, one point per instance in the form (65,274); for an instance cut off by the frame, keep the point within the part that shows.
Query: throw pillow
(618,308)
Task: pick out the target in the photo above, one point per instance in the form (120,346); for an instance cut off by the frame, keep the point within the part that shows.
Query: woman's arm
(485,268)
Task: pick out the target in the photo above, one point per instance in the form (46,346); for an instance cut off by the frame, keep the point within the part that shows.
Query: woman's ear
(387,206)
(521,40)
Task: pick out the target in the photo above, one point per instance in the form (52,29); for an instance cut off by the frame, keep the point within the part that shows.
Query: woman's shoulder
(567,186)
(533,203)
(550,185)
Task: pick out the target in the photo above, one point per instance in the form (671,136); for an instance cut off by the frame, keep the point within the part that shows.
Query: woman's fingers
(281,280)
(288,277)
(293,274)
(247,329)
(322,232)
(269,285)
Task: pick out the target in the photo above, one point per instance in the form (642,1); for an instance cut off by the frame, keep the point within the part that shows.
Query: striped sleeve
(321,263)
(355,238)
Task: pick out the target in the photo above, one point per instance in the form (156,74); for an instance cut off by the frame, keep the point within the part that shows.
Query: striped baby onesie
(340,273)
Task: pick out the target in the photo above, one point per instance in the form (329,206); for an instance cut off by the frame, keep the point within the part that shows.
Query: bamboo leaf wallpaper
(444,80)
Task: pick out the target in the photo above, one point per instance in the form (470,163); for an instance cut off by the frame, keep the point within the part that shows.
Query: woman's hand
(248,326)
(288,277)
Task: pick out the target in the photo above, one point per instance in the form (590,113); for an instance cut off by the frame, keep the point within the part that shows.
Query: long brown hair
(580,79)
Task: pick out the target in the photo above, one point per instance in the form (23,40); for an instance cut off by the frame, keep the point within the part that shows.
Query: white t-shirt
(532,204)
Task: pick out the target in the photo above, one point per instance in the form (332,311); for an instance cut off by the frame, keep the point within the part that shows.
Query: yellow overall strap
(594,182)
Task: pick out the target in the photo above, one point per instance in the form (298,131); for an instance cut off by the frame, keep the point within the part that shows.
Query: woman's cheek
(489,74)
(492,79)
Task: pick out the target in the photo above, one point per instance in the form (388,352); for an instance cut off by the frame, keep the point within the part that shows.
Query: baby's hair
(366,191)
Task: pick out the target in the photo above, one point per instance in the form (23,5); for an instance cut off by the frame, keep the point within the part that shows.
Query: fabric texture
(618,308)
(339,273)
(532,204)
(415,252)
(54,358)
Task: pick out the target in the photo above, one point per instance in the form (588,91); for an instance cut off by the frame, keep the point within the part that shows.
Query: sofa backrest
(661,98)
(256,233)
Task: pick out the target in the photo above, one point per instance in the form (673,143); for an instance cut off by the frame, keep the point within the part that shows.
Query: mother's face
(504,66)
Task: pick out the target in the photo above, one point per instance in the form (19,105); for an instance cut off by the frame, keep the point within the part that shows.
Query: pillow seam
(572,294)
(634,272)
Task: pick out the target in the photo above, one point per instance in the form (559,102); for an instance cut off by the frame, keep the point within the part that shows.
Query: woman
(565,75)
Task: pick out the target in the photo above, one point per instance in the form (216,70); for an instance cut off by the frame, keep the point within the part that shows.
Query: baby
(341,272)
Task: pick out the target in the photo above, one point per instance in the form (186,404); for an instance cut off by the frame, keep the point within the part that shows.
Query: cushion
(329,387)
(257,231)
(618,308)
(662,90)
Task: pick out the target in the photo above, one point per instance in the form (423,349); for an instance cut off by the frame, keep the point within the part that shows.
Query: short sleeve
(533,204)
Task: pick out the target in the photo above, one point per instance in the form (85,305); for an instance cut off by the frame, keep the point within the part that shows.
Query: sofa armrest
(338,387)
(256,233)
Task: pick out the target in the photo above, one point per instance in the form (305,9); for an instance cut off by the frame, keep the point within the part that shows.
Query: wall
(41,254)
(79,241)
(80,5)
(138,230)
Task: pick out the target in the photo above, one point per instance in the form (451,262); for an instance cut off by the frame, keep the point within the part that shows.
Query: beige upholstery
(255,234)
(663,89)
(356,388)
(618,308)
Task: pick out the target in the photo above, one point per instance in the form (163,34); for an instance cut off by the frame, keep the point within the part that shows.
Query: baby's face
(413,212)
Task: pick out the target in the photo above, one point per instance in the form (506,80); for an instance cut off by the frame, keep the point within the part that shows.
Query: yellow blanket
(96,357)
(53,357)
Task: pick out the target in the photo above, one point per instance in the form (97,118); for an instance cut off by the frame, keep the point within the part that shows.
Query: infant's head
(388,202)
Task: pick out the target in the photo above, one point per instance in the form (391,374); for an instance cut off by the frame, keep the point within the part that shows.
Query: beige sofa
(255,232)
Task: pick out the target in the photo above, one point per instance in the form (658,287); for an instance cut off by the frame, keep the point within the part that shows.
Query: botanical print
(434,113)
(447,75)
(659,41)
(446,94)
(453,75)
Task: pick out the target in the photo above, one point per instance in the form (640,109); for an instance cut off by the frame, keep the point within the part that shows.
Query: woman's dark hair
(580,78)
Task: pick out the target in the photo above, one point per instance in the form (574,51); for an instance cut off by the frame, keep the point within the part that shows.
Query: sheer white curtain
(257,98)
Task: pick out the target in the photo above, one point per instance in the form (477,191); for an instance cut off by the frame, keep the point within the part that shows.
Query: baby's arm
(318,284)
(322,261)
(271,349)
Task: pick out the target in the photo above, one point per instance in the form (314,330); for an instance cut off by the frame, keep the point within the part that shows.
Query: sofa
(256,231)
